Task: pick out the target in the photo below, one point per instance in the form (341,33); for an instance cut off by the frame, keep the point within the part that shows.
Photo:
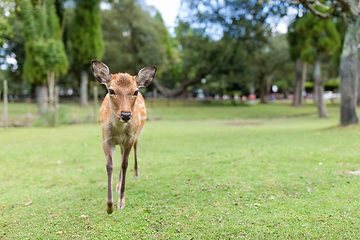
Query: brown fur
(123,79)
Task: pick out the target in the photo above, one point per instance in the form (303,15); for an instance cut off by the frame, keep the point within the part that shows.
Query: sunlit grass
(283,178)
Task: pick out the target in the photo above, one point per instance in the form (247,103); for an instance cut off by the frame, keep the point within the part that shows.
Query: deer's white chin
(122,121)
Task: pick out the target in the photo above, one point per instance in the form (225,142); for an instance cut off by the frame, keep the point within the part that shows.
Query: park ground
(251,172)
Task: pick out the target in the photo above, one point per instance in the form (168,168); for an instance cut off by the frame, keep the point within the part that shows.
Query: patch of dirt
(243,124)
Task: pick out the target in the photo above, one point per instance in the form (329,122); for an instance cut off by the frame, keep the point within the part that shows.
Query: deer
(122,118)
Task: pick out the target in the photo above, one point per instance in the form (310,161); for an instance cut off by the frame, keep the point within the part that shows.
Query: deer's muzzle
(125,116)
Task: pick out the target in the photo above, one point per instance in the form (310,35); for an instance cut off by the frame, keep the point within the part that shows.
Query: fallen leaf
(257,204)
(28,203)
(178,230)
(83,216)
(60,232)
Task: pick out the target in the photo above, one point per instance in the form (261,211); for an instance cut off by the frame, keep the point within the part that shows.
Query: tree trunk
(302,84)
(349,73)
(252,87)
(296,99)
(51,87)
(5,110)
(319,91)
(41,94)
(262,89)
(84,88)
(268,87)
(358,93)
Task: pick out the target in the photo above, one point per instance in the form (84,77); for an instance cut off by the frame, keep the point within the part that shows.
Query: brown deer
(122,117)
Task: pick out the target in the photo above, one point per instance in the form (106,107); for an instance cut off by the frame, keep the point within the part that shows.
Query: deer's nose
(125,116)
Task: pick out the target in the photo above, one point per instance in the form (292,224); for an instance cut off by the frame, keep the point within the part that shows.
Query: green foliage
(7,9)
(241,55)
(316,36)
(333,83)
(341,28)
(195,50)
(220,62)
(309,85)
(15,45)
(292,38)
(133,39)
(241,19)
(273,61)
(44,49)
(87,43)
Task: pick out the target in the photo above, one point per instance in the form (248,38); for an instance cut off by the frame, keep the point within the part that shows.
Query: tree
(45,56)
(130,43)
(87,43)
(242,25)
(349,11)
(202,57)
(194,65)
(318,37)
(134,39)
(264,64)
(294,40)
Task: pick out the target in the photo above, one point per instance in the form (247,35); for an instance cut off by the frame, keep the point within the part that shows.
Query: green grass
(230,112)
(70,113)
(260,178)
(24,114)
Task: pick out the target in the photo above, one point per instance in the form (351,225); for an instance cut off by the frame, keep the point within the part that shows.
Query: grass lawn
(24,114)
(208,178)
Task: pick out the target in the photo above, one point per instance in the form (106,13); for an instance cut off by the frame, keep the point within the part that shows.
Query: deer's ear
(101,72)
(146,76)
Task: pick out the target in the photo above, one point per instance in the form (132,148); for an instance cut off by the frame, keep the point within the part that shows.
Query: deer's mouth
(124,121)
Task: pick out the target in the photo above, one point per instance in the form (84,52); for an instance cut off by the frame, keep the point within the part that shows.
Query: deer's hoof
(109,208)
(136,176)
(120,207)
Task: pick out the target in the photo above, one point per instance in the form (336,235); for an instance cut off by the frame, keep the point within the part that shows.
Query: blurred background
(208,52)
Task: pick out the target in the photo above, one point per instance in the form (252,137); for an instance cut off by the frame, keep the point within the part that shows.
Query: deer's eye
(136,93)
(111,91)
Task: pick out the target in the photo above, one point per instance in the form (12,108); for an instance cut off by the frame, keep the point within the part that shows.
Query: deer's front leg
(109,153)
(136,170)
(123,168)
(118,186)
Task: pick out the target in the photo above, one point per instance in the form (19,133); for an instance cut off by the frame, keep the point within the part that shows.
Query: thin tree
(45,56)
(87,43)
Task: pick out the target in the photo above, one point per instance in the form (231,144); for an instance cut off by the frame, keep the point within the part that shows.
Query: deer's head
(123,88)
